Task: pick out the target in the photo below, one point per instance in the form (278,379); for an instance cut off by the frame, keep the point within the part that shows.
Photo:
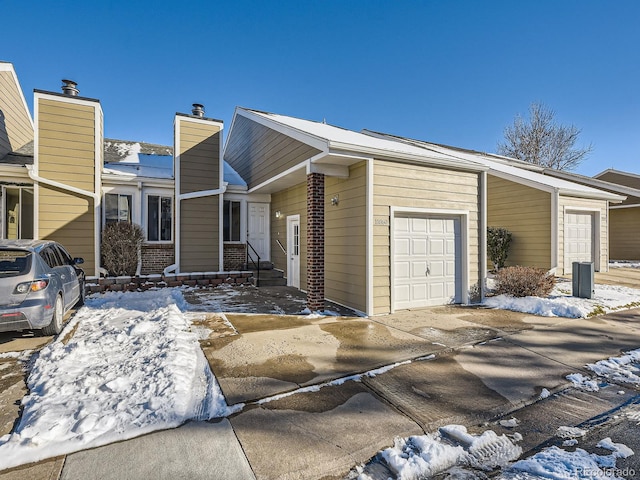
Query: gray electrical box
(582,275)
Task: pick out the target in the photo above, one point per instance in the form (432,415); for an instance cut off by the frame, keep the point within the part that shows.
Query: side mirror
(78,260)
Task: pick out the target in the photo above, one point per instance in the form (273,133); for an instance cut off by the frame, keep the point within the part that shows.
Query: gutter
(79,191)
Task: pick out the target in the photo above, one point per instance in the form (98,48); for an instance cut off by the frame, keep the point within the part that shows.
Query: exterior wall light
(278,214)
(335,200)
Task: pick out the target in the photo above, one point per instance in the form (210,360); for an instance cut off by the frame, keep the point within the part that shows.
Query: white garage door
(579,238)
(427,261)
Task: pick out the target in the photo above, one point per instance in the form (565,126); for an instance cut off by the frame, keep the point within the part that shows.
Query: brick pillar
(315,242)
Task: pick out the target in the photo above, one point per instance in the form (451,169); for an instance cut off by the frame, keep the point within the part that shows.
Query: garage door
(427,261)
(579,238)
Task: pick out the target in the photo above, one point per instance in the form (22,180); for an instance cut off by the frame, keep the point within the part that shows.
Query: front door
(258,230)
(293,251)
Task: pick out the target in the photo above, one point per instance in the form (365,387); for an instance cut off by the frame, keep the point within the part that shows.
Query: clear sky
(453,72)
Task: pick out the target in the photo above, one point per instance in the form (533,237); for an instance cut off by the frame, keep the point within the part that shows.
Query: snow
(232,177)
(545,394)
(510,423)
(583,383)
(126,364)
(624,264)
(560,303)
(570,432)
(624,369)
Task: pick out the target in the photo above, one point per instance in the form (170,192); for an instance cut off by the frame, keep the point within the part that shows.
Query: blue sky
(453,72)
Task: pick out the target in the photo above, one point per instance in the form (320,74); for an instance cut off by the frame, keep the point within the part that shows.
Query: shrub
(121,243)
(524,281)
(498,243)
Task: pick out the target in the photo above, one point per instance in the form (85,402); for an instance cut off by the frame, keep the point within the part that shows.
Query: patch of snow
(619,450)
(624,264)
(125,365)
(510,423)
(624,369)
(570,432)
(570,443)
(583,383)
(22,355)
(545,394)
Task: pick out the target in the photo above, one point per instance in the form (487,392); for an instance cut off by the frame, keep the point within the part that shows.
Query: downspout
(483,234)
(554,230)
(52,183)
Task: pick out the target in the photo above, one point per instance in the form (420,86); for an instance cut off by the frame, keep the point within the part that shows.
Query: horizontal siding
(259,153)
(415,186)
(633,182)
(16,129)
(567,204)
(200,234)
(345,255)
(68,219)
(526,213)
(292,201)
(199,148)
(624,233)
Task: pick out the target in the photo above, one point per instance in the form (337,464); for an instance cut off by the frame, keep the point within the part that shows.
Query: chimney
(69,88)
(198,110)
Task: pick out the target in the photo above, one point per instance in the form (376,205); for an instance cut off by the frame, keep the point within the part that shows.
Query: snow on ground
(125,365)
(607,298)
(624,264)
(622,369)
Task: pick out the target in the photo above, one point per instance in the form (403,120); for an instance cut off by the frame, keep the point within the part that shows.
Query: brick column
(315,242)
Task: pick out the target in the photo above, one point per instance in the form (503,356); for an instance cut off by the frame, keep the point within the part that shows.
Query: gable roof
(332,140)
(511,169)
(620,177)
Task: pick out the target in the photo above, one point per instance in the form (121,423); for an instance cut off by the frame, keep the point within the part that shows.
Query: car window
(14,262)
(64,255)
(50,257)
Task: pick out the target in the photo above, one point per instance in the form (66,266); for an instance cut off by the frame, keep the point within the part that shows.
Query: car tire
(80,301)
(55,327)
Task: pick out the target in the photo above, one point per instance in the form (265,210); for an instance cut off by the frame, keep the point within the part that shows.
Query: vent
(198,110)
(69,88)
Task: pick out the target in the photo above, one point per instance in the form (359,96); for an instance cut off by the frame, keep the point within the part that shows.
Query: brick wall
(155,258)
(315,242)
(235,256)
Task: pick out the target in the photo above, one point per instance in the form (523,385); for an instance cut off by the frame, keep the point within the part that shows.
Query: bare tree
(540,140)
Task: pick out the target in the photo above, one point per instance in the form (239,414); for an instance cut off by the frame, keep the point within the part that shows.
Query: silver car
(39,283)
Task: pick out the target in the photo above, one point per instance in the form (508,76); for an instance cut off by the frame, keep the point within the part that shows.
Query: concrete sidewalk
(485,364)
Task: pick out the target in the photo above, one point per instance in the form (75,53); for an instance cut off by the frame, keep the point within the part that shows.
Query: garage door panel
(403,269)
(419,246)
(402,246)
(437,246)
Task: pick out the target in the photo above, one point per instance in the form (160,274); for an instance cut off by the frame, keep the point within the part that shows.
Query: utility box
(582,275)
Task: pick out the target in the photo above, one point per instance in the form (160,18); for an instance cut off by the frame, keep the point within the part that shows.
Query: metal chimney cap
(198,110)
(69,87)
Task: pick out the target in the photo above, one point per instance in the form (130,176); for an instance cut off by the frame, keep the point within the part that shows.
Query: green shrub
(498,243)
(121,243)
(524,282)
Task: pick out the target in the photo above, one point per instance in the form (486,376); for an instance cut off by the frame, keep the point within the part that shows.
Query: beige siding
(200,235)
(16,129)
(526,213)
(199,150)
(629,181)
(402,185)
(624,233)
(600,208)
(67,140)
(346,239)
(258,153)
(292,201)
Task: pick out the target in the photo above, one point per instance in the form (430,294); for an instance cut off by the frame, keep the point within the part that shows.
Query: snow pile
(625,369)
(124,366)
(570,432)
(424,456)
(607,298)
(583,383)
(624,264)
(556,463)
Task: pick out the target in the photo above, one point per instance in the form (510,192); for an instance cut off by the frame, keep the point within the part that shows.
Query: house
(624,218)
(554,221)
(370,223)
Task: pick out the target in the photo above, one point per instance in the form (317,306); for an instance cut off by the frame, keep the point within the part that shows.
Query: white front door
(427,261)
(258,230)
(579,238)
(293,251)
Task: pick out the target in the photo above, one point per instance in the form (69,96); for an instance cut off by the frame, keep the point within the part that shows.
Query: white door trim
(595,235)
(293,280)
(463,215)
(267,227)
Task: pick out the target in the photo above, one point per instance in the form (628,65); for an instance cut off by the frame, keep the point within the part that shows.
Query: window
(117,208)
(51,257)
(158,218)
(231,221)
(18,212)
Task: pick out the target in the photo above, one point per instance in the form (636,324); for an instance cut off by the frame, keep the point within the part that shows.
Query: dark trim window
(158,218)
(231,221)
(117,208)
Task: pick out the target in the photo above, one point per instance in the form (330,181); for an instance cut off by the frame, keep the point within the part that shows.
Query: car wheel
(55,327)
(82,294)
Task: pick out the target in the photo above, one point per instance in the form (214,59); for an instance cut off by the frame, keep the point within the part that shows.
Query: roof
(511,169)
(332,139)
(633,194)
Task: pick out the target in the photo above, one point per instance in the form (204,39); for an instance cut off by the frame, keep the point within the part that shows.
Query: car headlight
(33,286)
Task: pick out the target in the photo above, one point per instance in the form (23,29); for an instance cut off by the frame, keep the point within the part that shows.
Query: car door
(73,284)
(52,258)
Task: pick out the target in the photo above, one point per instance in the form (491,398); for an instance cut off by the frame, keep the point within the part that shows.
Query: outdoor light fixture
(335,200)
(278,214)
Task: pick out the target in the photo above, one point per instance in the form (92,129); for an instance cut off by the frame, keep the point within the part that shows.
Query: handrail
(254,263)
(280,245)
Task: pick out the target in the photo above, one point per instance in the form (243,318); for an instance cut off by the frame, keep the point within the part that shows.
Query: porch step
(264,265)
(269,278)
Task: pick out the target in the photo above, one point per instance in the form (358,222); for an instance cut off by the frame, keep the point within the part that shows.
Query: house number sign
(381,221)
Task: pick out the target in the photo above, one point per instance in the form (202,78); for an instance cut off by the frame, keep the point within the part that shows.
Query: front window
(18,212)
(117,208)
(158,218)
(231,221)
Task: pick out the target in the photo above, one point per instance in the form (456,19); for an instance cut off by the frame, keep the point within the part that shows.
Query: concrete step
(264,265)
(268,273)
(268,282)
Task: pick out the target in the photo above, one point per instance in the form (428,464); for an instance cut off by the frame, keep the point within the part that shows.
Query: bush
(121,243)
(498,243)
(524,282)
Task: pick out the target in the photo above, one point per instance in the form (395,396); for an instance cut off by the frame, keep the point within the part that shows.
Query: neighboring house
(368,223)
(554,221)
(624,217)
